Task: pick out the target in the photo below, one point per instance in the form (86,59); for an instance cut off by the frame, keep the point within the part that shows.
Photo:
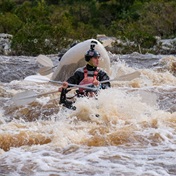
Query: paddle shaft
(43,79)
(46,70)
(127,77)
(29,96)
(42,94)
(75,85)
(35,95)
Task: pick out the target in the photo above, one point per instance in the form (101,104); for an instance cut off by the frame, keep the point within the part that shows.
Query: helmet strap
(90,64)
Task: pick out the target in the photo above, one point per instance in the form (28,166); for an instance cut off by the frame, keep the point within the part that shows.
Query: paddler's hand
(96,83)
(60,89)
(64,86)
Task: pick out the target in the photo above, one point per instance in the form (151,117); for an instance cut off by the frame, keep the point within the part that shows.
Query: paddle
(44,60)
(27,97)
(43,79)
(46,70)
(47,62)
(127,77)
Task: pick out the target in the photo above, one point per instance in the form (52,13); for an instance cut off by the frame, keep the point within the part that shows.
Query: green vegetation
(47,26)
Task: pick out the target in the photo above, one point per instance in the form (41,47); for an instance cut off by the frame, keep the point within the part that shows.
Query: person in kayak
(89,74)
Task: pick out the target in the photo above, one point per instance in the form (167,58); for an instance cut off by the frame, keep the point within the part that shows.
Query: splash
(125,128)
(21,134)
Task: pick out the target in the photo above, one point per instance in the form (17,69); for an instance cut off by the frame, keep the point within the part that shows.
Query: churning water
(134,133)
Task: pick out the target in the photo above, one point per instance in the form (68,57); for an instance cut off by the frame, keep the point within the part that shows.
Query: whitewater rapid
(134,133)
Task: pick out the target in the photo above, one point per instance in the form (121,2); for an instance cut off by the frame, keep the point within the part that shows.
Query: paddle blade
(24,98)
(45,61)
(37,78)
(129,77)
(45,70)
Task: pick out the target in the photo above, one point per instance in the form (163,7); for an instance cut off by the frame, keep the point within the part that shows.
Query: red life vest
(87,79)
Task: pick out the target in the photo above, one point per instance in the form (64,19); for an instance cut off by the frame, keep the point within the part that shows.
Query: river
(134,133)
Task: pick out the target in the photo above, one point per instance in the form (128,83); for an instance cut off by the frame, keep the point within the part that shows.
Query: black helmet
(91,53)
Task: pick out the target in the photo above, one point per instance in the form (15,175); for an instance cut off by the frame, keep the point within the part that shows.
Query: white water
(135,133)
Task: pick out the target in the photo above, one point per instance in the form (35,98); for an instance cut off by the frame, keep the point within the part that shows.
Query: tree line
(47,26)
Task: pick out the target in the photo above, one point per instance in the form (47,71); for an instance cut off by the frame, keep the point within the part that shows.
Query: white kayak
(74,58)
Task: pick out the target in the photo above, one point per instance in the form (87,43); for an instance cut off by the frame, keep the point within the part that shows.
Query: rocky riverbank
(162,46)
(112,44)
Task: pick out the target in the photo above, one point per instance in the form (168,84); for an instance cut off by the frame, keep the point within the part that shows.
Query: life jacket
(88,79)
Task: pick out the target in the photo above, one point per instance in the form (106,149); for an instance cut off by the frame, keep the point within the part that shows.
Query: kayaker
(89,74)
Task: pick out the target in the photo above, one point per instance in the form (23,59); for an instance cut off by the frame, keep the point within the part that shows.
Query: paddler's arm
(64,86)
(75,79)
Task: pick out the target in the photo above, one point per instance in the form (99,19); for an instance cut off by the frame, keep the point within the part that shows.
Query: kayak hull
(74,58)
